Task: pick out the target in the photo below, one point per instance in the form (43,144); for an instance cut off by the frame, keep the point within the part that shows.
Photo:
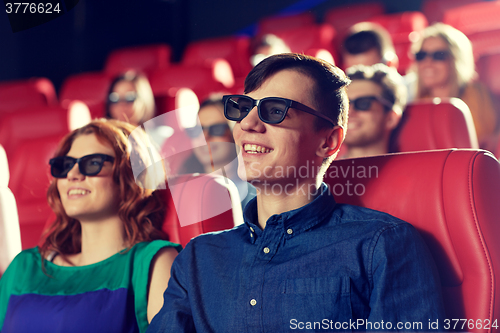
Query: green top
(118,285)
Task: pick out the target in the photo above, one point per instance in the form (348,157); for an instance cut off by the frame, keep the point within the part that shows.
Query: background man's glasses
(216,130)
(271,110)
(364,103)
(129,97)
(438,55)
(89,165)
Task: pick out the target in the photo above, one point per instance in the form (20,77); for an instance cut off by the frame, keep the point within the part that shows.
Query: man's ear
(332,139)
(392,120)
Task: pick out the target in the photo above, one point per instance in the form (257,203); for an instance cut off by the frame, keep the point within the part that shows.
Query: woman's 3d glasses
(89,165)
(271,110)
(364,103)
(438,55)
(213,130)
(130,97)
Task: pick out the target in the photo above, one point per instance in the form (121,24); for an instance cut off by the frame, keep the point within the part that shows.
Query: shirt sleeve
(406,290)
(176,314)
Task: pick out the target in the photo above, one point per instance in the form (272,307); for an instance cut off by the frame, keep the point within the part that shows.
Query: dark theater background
(80,40)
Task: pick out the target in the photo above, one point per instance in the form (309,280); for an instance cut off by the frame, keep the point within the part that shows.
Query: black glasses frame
(258,102)
(436,55)
(81,166)
(372,98)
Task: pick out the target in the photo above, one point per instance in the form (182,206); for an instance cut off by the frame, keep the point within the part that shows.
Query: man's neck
(271,201)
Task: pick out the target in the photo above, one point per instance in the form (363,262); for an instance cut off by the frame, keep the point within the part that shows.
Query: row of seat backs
(403,27)
(448,124)
(203,69)
(303,35)
(451,197)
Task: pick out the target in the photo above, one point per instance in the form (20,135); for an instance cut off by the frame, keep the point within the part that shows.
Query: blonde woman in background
(444,64)
(130,99)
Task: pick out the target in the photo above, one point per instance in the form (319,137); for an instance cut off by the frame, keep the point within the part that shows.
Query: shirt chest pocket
(321,300)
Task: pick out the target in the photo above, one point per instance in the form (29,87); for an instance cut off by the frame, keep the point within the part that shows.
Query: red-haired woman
(103,266)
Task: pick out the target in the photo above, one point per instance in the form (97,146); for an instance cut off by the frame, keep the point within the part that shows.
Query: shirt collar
(295,221)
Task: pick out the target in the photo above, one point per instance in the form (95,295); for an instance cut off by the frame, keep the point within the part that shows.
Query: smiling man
(300,261)
(377,97)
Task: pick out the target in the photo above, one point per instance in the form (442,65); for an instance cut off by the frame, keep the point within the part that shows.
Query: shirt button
(252,229)
(253,302)
(251,235)
(289,231)
(266,250)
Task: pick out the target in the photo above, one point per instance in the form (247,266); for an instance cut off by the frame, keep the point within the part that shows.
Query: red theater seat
(203,203)
(474,17)
(144,58)
(435,9)
(30,179)
(234,49)
(91,88)
(436,125)
(451,197)
(343,17)
(10,237)
(310,39)
(404,29)
(275,24)
(33,123)
(201,80)
(26,93)
(478,21)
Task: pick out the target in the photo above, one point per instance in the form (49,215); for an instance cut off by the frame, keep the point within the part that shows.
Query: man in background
(377,97)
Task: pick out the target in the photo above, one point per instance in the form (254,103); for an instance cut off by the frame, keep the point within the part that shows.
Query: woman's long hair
(461,55)
(143,90)
(137,169)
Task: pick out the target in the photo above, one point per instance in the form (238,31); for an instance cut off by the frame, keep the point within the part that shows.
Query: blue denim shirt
(323,267)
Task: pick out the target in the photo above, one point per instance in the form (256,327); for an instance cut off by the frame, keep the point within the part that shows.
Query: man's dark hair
(364,36)
(363,41)
(329,93)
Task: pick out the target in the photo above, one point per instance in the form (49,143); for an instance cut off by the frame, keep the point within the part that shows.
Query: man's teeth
(255,149)
(77,192)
